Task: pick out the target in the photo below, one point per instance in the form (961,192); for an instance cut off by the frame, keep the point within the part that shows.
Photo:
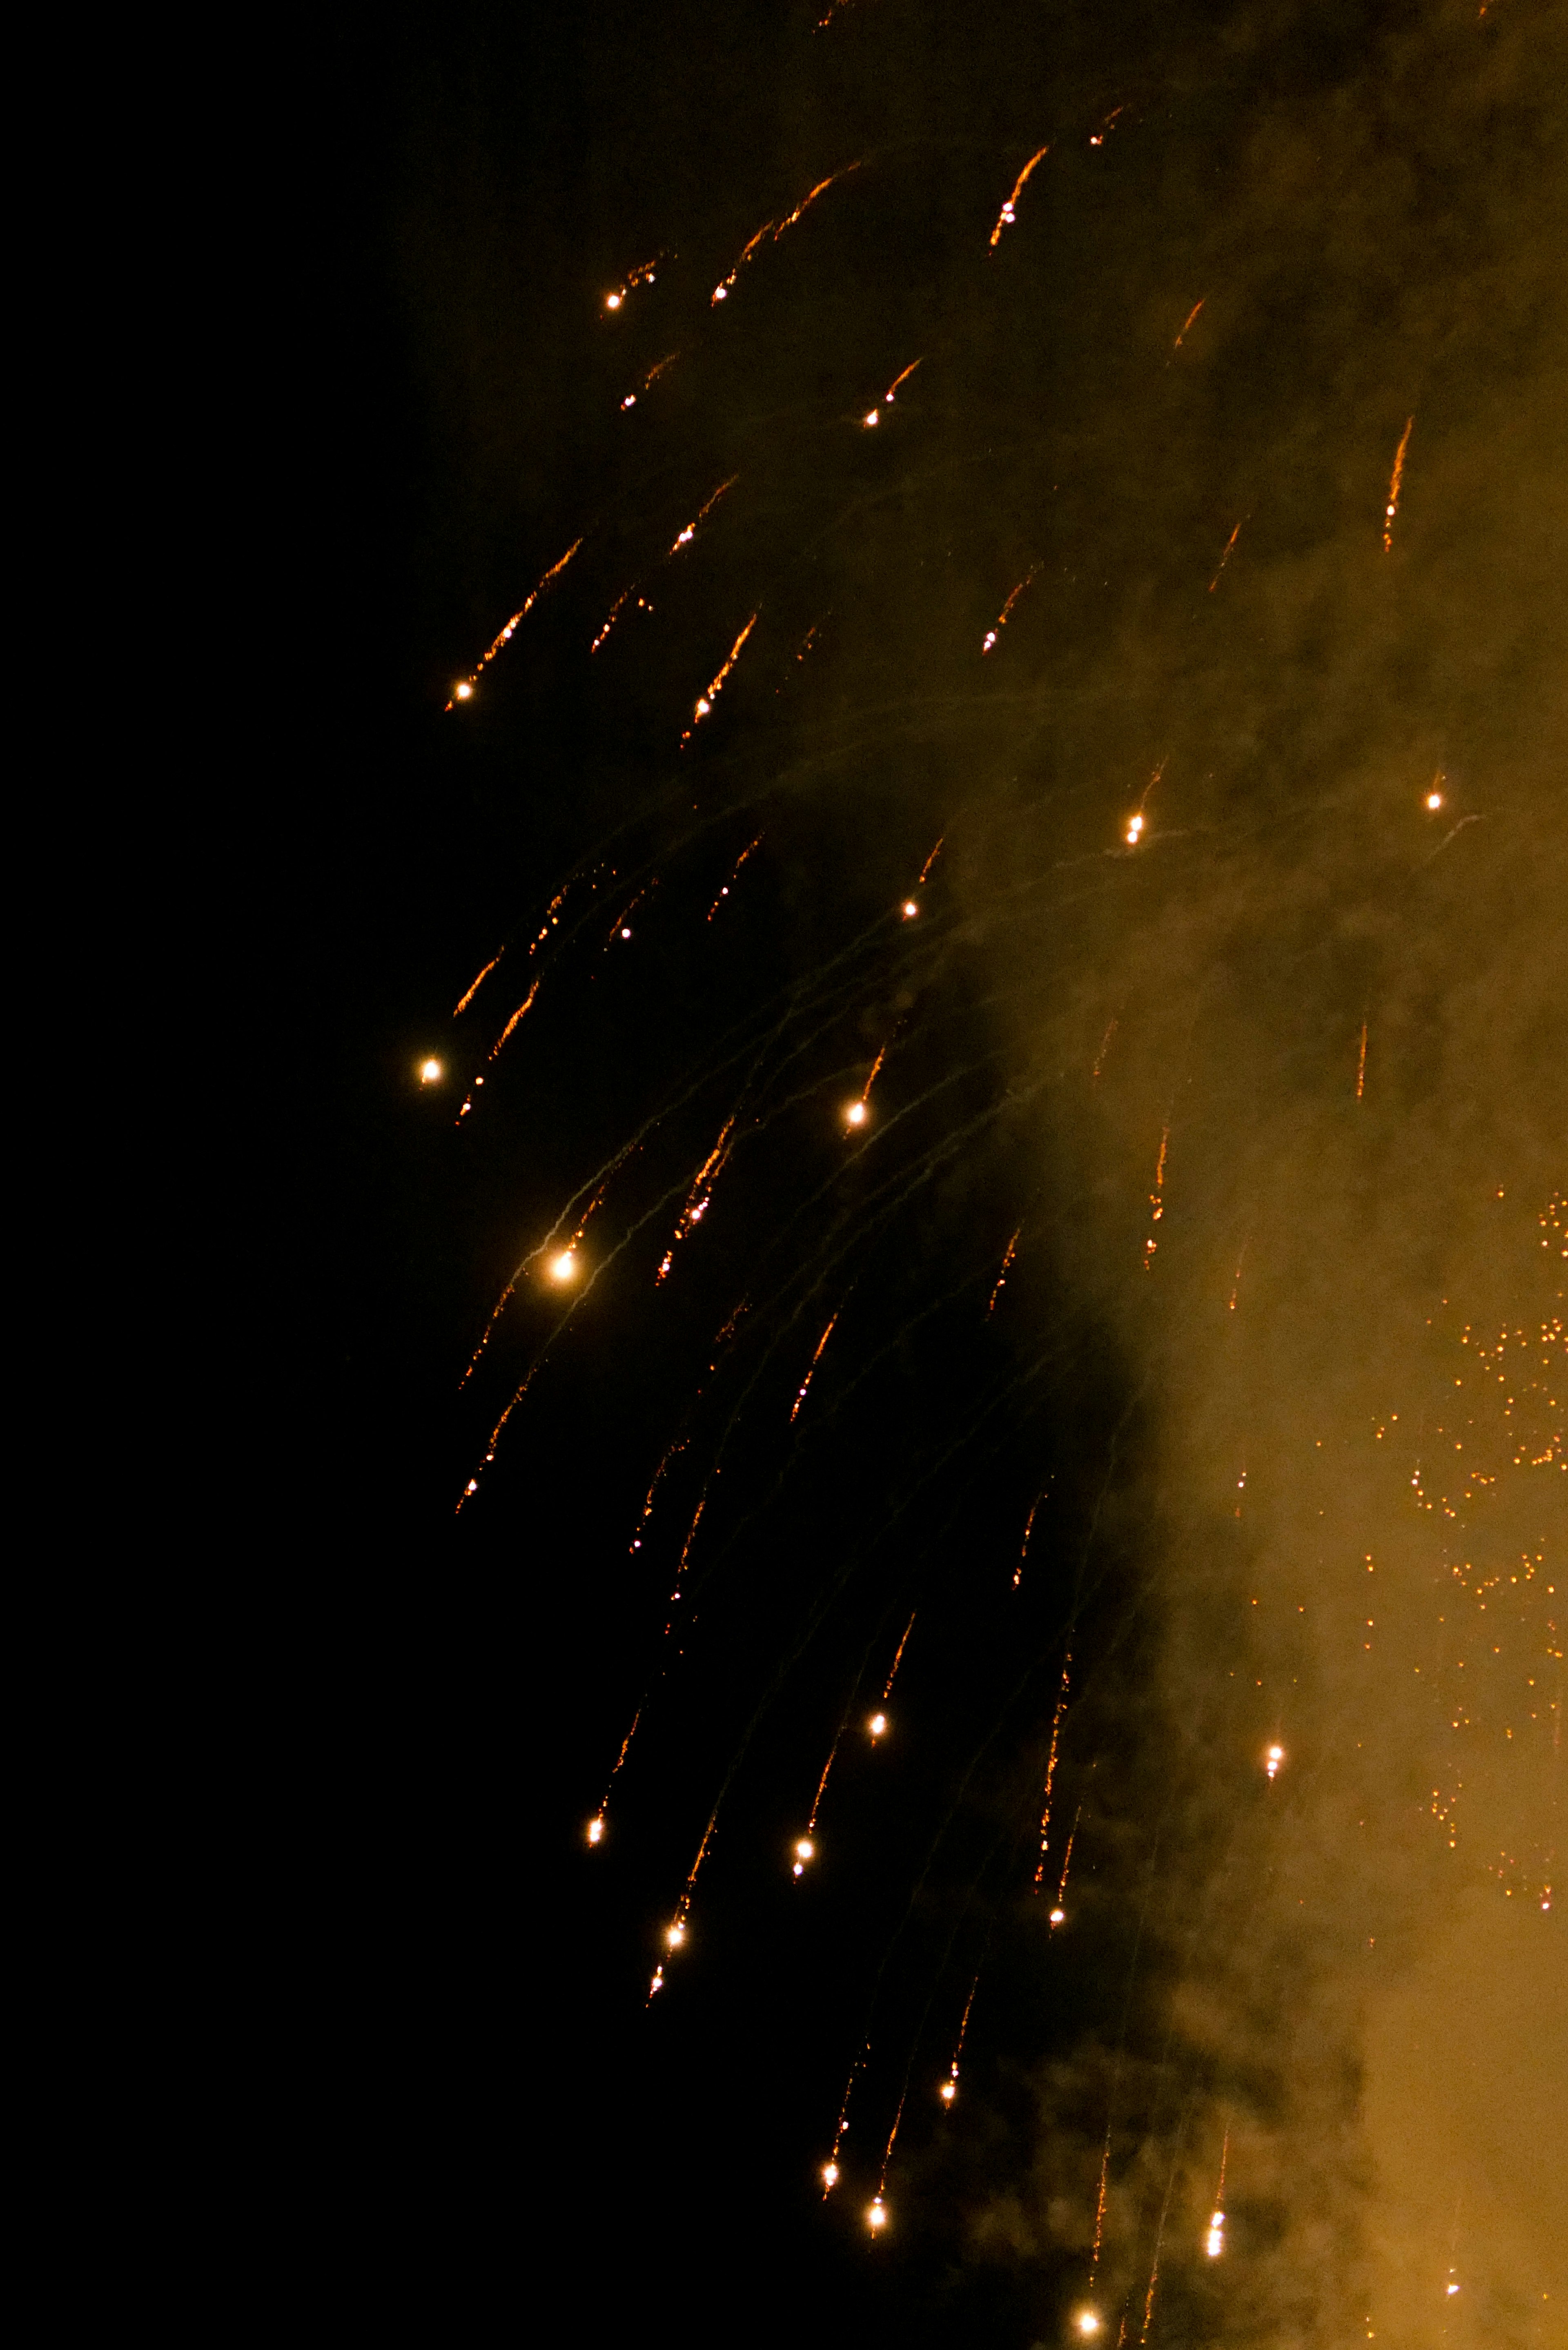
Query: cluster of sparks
(773,230)
(464,689)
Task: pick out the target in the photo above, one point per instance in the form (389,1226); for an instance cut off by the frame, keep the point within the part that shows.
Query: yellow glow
(430,1073)
(1135,826)
(876,2215)
(948,2092)
(612,301)
(877,1724)
(1057,1916)
(804,1849)
(675,1935)
(856,1114)
(911,908)
(1087,2321)
(873,416)
(1273,1759)
(461,693)
(565,1266)
(1435,800)
(830,2174)
(596,1831)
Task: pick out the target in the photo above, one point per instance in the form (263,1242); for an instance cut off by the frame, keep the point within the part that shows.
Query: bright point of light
(804,1849)
(596,1831)
(873,416)
(856,1114)
(989,640)
(1435,800)
(1215,2244)
(675,1935)
(877,2216)
(703,706)
(721,293)
(799,1868)
(948,2092)
(1057,1916)
(1087,2321)
(1453,2288)
(612,301)
(1273,1759)
(565,1266)
(830,2174)
(461,693)
(1135,826)
(877,1724)
(626,933)
(430,1073)
(911,908)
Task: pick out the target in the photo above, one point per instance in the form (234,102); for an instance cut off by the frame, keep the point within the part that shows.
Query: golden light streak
(1011,1253)
(1028,1522)
(1187,323)
(684,537)
(816,1358)
(1009,211)
(821,1782)
(1433,799)
(1051,1767)
(1097,139)
(859,1111)
(698,1197)
(705,700)
(930,861)
(1100,1057)
(1392,508)
(898,1660)
(726,286)
(1001,621)
(1225,559)
(652,377)
(1156,1199)
(734,873)
(641,275)
(679,1446)
(1058,1915)
(830,2168)
(597,1825)
(1100,2209)
(525,1005)
(949,2089)
(463,693)
(898,379)
(465,1000)
(1361,1063)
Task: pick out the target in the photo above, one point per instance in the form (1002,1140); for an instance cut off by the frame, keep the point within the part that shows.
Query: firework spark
(726,286)
(1185,325)
(1392,508)
(1010,1253)
(1051,1767)
(463,692)
(1225,559)
(734,872)
(1009,212)
(654,372)
(811,1370)
(705,700)
(1001,621)
(643,275)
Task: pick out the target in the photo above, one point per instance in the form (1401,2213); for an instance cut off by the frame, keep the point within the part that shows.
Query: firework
(1395,479)
(463,691)
(1009,212)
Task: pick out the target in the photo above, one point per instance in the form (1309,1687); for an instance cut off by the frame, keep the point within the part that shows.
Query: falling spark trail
(698,1197)
(1100,2211)
(1000,1282)
(612,616)
(816,1358)
(1001,621)
(1099,138)
(678,1446)
(1009,211)
(1156,1198)
(684,537)
(949,2089)
(1051,1767)
(1225,559)
(1236,1280)
(705,700)
(1100,1057)
(898,379)
(1187,323)
(1058,1913)
(930,862)
(1392,507)
(887,2156)
(596,1826)
(465,690)
(731,882)
(652,377)
(473,990)
(641,275)
(830,2168)
(821,1782)
(725,286)
(1028,1529)
(898,1659)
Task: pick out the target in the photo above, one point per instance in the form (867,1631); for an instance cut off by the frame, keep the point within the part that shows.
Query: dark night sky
(1302,1037)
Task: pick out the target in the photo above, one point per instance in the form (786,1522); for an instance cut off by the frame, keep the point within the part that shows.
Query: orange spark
(1051,1767)
(1187,323)
(897,1658)
(1100,1057)
(1058,1914)
(931,861)
(679,1446)
(725,286)
(1392,507)
(1001,621)
(652,377)
(830,2168)
(705,700)
(473,990)
(1361,1063)
(1028,1529)
(698,1197)
(816,1358)
(517,1015)
(641,275)
(1225,559)
(1009,211)
(1156,1198)
(463,692)
(898,379)
(730,883)
(684,537)
(1000,1281)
